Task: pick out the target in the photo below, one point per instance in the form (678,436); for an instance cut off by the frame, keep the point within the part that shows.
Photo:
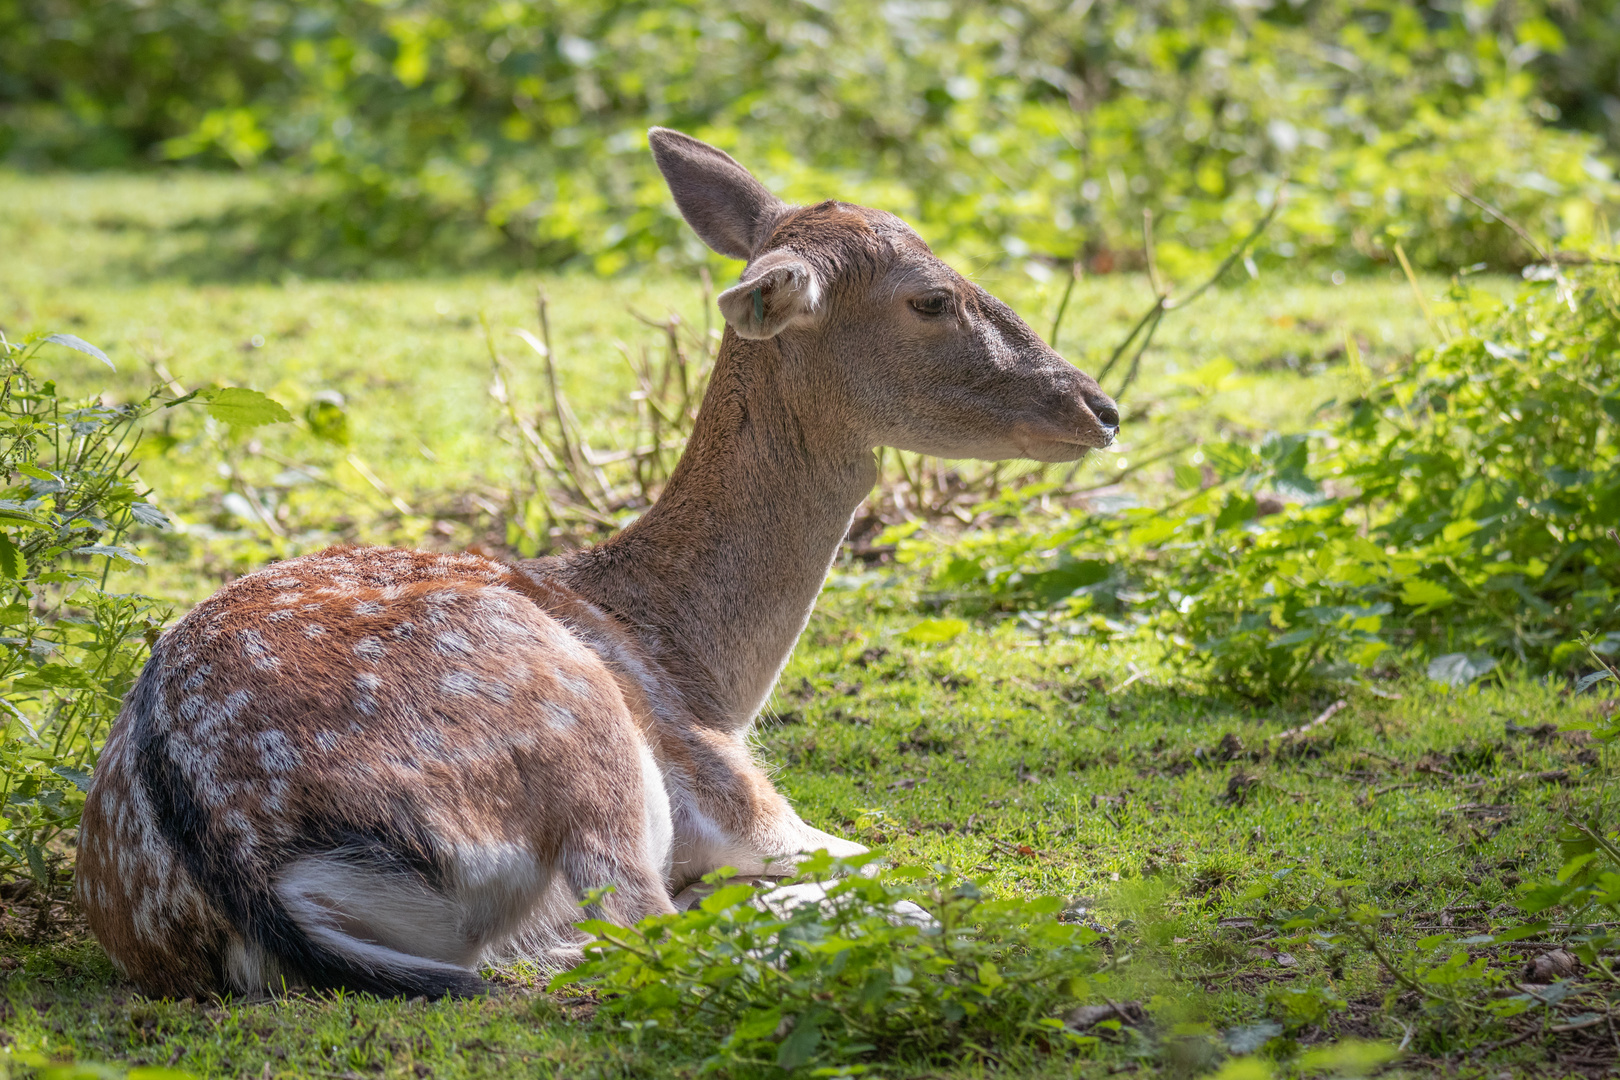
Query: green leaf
(1349,1059)
(1425,594)
(77,777)
(758,1025)
(12,563)
(243,408)
(147,514)
(1062,580)
(935,631)
(800,1046)
(728,896)
(80,344)
(36,863)
(1459,669)
(1238,509)
(111,552)
(29,469)
(1248,1040)
(327,420)
(959,572)
(55,677)
(1586,682)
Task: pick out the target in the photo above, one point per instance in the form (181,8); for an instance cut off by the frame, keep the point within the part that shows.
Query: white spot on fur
(280,616)
(254,649)
(276,752)
(238,823)
(573,684)
(368,607)
(327,741)
(314,630)
(370,649)
(493,605)
(286,582)
(451,643)
(198,677)
(460,683)
(557,716)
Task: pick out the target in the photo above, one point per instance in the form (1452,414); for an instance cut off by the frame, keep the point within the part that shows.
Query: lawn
(1205,842)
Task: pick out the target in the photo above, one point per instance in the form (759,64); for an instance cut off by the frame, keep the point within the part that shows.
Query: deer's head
(887,340)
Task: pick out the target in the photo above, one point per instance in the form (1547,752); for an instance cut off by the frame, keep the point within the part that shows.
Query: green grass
(1096,773)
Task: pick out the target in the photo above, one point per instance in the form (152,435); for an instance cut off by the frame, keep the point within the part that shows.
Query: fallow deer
(376,769)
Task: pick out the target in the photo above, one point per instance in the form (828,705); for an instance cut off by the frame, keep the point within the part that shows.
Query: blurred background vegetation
(1372,477)
(411,134)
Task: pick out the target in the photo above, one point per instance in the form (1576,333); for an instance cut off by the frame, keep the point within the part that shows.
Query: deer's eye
(935,304)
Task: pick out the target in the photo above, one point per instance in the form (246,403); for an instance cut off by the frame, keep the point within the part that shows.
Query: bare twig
(1518,230)
(1163,302)
(1327,714)
(1063,304)
(1147,252)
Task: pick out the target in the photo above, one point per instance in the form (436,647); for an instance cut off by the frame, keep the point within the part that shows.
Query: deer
(379,769)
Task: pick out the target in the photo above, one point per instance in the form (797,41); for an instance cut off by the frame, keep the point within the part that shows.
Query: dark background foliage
(427,131)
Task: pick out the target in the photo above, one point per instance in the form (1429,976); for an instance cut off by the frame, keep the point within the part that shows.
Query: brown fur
(375,768)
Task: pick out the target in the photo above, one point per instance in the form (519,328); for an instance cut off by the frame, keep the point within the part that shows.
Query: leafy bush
(443,131)
(1458,512)
(828,985)
(70,647)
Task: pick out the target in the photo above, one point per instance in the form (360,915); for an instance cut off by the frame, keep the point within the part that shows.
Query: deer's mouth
(1044,441)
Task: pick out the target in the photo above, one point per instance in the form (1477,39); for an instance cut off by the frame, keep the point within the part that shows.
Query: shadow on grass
(315,235)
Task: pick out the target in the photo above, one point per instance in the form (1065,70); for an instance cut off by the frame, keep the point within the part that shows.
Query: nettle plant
(69,646)
(827,984)
(1457,511)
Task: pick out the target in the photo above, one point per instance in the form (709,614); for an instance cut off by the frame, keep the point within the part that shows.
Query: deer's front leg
(726,812)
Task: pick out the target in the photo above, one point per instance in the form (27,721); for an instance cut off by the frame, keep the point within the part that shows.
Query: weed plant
(1455,512)
(912,963)
(71,647)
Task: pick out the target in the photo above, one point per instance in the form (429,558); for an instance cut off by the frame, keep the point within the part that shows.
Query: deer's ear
(778,291)
(728,209)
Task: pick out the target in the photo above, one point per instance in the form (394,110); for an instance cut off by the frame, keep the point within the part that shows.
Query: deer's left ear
(730,210)
(777,291)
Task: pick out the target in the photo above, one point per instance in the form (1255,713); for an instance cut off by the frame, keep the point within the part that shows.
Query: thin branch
(1147,252)
(1063,304)
(1519,230)
(1163,302)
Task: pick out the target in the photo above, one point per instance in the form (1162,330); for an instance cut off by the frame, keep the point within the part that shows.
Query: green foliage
(70,647)
(440,130)
(1455,512)
(826,985)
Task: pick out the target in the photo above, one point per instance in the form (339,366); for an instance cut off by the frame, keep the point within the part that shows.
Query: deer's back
(423,705)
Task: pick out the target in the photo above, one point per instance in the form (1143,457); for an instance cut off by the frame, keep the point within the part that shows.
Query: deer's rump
(358,768)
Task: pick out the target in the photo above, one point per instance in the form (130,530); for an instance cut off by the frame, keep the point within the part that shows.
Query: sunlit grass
(1092,772)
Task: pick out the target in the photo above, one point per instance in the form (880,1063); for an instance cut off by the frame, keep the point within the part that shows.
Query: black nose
(1103,408)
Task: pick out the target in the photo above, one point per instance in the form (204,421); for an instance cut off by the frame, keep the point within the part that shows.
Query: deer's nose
(1103,408)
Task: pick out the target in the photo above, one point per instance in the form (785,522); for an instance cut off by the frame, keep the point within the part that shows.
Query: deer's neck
(718,579)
